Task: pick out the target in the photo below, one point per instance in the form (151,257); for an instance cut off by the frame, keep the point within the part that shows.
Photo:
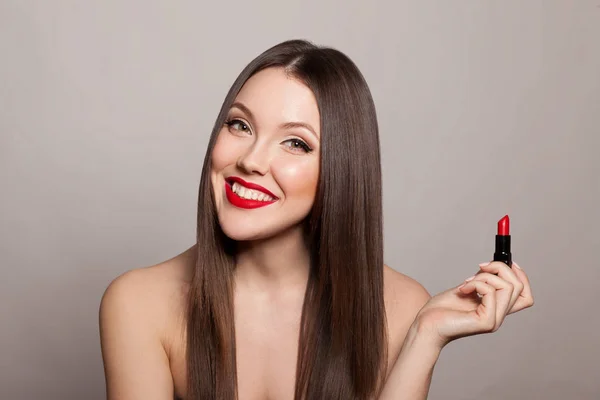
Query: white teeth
(249,194)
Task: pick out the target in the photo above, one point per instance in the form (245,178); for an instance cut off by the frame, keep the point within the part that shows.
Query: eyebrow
(287,125)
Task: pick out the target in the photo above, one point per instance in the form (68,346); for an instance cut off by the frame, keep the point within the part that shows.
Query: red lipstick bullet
(502,252)
(504,226)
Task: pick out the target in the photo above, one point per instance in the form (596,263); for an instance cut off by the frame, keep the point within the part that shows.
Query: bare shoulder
(403,293)
(150,292)
(138,313)
(404,297)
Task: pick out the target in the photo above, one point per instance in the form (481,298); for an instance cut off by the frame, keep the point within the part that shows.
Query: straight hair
(342,344)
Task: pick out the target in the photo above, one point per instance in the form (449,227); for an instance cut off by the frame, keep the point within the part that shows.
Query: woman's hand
(477,306)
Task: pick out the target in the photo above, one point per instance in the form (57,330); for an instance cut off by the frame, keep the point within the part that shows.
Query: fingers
(508,274)
(525,299)
(486,311)
(522,296)
(504,294)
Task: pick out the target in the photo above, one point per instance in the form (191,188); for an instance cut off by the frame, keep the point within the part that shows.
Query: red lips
(240,202)
(249,185)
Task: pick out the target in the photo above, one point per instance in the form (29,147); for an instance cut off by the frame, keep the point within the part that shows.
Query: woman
(285,294)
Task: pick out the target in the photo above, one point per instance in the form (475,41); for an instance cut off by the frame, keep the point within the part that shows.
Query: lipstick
(249,185)
(241,202)
(502,252)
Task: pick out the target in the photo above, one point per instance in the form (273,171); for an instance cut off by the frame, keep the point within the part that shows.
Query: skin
(478,306)
(142,311)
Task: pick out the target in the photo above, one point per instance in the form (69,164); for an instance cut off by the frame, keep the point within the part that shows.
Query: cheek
(221,155)
(297,177)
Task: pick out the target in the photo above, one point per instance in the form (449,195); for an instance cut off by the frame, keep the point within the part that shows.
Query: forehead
(275,97)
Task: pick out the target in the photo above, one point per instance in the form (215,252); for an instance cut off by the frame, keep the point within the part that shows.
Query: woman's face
(265,163)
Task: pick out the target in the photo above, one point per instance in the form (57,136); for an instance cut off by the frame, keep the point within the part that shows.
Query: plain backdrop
(486,108)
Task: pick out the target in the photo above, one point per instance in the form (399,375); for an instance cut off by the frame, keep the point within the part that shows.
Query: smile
(247,195)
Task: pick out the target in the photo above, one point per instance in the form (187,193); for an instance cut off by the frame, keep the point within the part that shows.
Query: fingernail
(484,264)
(470,279)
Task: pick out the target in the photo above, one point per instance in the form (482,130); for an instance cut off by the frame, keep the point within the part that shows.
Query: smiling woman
(285,294)
(266,147)
(285,131)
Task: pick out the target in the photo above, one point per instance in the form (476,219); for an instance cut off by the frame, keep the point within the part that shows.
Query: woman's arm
(409,371)
(135,363)
(477,306)
(410,377)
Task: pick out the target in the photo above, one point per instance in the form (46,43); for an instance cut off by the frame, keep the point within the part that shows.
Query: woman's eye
(298,145)
(238,125)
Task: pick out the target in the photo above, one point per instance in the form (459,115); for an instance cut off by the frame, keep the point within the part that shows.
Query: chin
(254,230)
(238,231)
(240,235)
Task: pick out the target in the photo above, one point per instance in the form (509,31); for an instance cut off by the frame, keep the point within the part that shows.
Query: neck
(273,264)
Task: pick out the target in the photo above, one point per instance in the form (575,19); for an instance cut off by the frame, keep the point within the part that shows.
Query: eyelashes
(299,144)
(294,144)
(233,122)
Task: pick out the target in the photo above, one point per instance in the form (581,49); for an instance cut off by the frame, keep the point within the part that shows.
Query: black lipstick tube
(502,252)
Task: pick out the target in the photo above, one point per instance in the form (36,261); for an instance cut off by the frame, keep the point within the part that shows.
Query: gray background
(485,108)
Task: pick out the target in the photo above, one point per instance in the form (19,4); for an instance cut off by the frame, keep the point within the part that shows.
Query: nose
(254,160)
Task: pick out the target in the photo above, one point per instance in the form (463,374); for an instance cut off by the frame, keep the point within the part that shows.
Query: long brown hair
(343,342)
